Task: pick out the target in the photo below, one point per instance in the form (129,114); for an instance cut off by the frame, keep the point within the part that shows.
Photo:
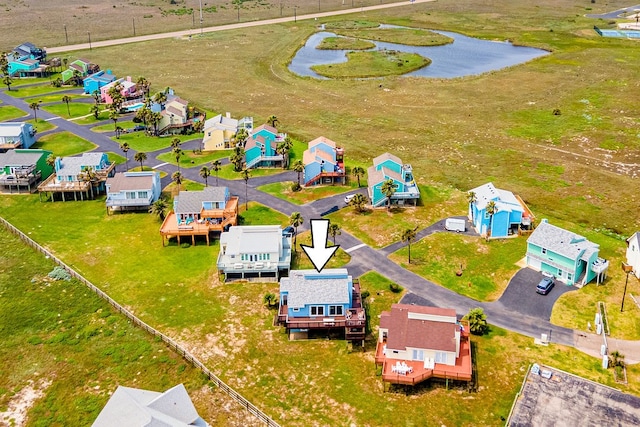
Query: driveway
(521,297)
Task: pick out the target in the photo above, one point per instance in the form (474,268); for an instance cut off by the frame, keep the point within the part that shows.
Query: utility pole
(627,269)
(201,17)
(134,27)
(89,34)
(66,36)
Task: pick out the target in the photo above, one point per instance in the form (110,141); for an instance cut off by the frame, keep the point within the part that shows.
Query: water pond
(466,56)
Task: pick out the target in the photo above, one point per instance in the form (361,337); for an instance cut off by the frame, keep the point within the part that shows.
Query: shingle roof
(72,166)
(561,241)
(331,286)
(245,239)
(191,201)
(321,139)
(121,182)
(21,158)
(404,331)
(386,156)
(135,407)
(266,127)
(374,176)
(221,122)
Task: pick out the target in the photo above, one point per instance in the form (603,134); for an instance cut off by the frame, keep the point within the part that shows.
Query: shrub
(395,288)
(477,321)
(185,245)
(296,187)
(59,273)
(365,295)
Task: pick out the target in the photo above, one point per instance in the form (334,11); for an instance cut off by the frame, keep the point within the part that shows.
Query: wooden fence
(251,408)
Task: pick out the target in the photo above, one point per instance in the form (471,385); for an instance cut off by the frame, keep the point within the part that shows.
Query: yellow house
(219,131)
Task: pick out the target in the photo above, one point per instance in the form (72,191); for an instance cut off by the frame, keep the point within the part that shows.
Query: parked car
(347,199)
(545,285)
(137,128)
(288,231)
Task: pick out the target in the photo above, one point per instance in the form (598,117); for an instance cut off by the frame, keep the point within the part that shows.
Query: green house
(22,169)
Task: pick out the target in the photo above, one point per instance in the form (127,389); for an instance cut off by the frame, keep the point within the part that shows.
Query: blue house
(133,190)
(260,147)
(312,301)
(25,66)
(389,167)
(94,82)
(78,175)
(323,163)
(30,51)
(510,213)
(568,256)
(16,135)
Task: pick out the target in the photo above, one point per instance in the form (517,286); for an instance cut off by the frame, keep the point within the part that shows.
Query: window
(131,194)
(295,310)
(569,277)
(142,195)
(335,310)
(441,357)
(317,310)
(544,250)
(418,355)
(560,273)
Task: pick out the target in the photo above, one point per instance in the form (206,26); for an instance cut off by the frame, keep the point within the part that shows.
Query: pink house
(128,89)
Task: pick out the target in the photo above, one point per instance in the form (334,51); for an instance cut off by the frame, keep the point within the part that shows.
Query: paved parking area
(569,400)
(521,295)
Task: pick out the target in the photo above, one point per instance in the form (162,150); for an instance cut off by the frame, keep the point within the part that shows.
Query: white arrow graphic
(318,252)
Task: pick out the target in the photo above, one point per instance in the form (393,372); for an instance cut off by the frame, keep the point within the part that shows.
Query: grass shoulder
(191,158)
(283,191)
(9,112)
(64,144)
(378,63)
(345,43)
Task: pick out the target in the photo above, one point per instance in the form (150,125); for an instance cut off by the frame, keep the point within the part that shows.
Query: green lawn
(103,115)
(31,91)
(64,144)
(139,141)
(406,36)
(74,347)
(487,266)
(227,172)
(55,98)
(76,109)
(345,43)
(381,227)
(283,191)
(41,125)
(301,261)
(17,81)
(190,159)
(110,127)
(9,112)
(114,157)
(258,214)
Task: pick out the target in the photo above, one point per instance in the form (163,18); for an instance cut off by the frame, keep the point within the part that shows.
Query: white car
(348,198)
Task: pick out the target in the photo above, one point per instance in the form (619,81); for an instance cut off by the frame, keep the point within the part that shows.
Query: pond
(466,56)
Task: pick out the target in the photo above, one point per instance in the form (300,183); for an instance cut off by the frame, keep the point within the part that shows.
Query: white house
(133,190)
(135,407)
(633,253)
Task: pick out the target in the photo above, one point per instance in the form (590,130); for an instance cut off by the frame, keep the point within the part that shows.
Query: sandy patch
(21,402)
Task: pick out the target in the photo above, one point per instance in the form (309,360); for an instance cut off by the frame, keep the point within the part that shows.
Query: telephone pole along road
(196,31)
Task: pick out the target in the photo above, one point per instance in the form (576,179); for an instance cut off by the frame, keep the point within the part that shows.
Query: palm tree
(67,99)
(246,174)
(358,172)
(295,220)
(177,178)
(175,143)
(241,137)
(89,175)
(334,230)
(477,321)
(358,201)
(490,209)
(388,189)
(177,153)
(159,208)
(472,199)
(7,81)
(282,149)
(113,115)
(215,166)
(272,120)
(154,119)
(95,110)
(160,98)
(237,158)
(96,96)
(298,167)
(142,114)
(125,149)
(35,106)
(140,157)
(409,236)
(51,160)
(269,299)
(205,172)
(143,85)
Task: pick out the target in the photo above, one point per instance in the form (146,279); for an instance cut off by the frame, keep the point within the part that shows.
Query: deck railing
(251,408)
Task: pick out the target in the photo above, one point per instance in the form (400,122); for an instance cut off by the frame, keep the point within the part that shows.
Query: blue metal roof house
(510,213)
(94,82)
(320,301)
(16,135)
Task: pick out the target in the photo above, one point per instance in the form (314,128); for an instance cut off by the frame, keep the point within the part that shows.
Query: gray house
(135,407)
(254,252)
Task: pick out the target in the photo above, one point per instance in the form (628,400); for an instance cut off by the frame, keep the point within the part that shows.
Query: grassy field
(109,127)
(9,112)
(378,63)
(190,159)
(75,109)
(344,43)
(487,266)
(140,141)
(283,191)
(64,144)
(54,330)
(55,97)
(34,91)
(41,125)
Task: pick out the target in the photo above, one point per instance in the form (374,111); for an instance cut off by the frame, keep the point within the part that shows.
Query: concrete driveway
(521,297)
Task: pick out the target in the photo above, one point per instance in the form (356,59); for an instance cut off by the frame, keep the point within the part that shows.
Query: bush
(59,273)
(395,288)
(296,187)
(185,245)
(365,295)
(477,321)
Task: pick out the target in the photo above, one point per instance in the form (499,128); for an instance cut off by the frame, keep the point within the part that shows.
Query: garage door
(534,263)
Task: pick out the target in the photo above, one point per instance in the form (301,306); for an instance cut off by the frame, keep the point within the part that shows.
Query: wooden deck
(461,371)
(213,220)
(50,185)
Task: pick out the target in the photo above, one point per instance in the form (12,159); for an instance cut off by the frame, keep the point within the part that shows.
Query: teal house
(26,66)
(509,215)
(260,147)
(23,169)
(389,167)
(568,256)
(16,135)
(94,82)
